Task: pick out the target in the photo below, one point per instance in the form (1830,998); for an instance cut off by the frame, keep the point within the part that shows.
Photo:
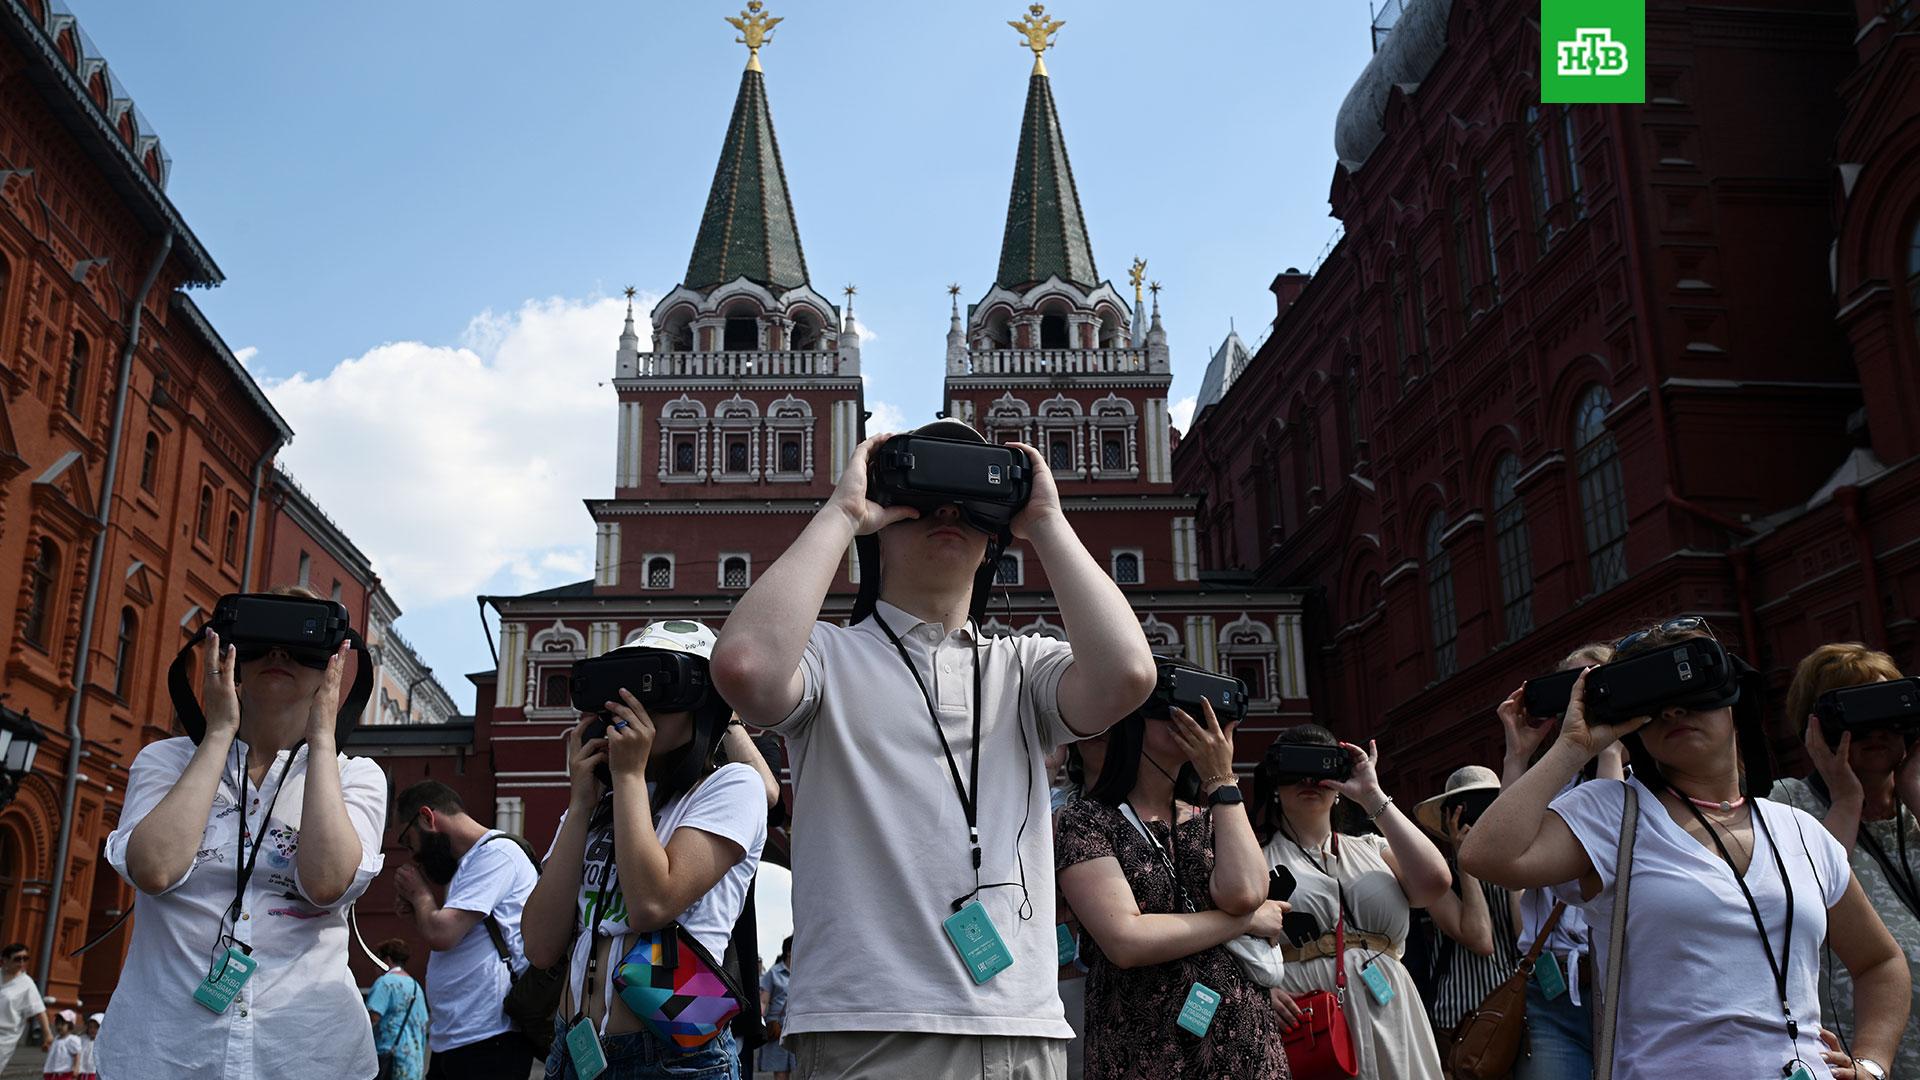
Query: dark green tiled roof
(1046,235)
(748,230)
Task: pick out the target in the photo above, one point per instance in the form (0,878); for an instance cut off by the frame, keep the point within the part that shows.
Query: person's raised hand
(219,696)
(850,495)
(323,713)
(1363,787)
(584,756)
(1835,764)
(1044,503)
(1523,735)
(1454,830)
(1208,744)
(630,737)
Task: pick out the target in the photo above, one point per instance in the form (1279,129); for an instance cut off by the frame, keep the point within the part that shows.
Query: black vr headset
(1893,705)
(946,463)
(663,680)
(1184,686)
(255,624)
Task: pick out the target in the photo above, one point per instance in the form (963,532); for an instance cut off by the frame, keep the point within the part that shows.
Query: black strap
(1903,884)
(1170,862)
(1783,963)
(493,925)
(968,792)
(244,861)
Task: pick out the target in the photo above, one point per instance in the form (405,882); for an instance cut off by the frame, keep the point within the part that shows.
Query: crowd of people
(1011,858)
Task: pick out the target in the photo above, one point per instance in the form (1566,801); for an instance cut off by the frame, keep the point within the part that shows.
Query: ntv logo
(1592,52)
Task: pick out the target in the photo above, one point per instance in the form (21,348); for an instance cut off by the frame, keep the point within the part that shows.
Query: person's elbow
(1480,944)
(649,916)
(1239,897)
(740,674)
(1480,860)
(150,880)
(543,950)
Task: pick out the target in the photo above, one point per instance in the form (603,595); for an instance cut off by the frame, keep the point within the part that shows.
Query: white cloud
(449,464)
(246,355)
(886,417)
(1182,413)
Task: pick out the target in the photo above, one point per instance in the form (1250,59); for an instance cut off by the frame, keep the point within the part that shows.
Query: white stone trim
(720,570)
(1139,565)
(606,553)
(646,570)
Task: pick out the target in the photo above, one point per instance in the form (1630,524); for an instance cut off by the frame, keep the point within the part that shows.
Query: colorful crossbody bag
(676,987)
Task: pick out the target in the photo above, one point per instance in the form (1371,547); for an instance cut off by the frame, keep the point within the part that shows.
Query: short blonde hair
(300,591)
(1593,652)
(1830,667)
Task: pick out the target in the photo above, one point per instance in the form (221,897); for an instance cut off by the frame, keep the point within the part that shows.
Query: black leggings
(506,1056)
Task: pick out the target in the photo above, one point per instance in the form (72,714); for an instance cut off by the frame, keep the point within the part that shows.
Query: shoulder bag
(533,995)
(1487,1042)
(1607,1020)
(1320,1045)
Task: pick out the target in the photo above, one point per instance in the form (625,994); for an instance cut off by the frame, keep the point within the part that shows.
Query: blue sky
(426,210)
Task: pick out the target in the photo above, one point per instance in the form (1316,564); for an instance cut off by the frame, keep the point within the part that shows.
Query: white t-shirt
(63,1056)
(467,984)
(732,804)
(1697,997)
(85,1064)
(300,1015)
(20,1001)
(880,846)
(1570,936)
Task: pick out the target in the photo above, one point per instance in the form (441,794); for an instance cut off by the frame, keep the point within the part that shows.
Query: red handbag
(1320,1045)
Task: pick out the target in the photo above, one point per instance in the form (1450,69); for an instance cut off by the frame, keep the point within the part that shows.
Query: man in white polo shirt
(921,818)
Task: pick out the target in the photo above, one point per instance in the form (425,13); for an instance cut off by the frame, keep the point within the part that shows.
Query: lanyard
(1171,862)
(243,860)
(1902,882)
(969,803)
(608,870)
(1780,965)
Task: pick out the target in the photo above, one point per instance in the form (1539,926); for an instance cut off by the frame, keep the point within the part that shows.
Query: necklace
(1722,805)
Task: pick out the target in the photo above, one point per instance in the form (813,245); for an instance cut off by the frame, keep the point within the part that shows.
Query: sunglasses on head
(1686,624)
(311,658)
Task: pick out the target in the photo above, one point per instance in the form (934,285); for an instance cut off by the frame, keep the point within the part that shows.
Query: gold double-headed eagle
(756,29)
(1039,31)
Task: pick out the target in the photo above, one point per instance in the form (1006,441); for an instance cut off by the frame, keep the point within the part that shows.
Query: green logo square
(1593,51)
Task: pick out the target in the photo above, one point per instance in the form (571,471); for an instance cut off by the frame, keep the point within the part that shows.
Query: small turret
(626,364)
(1158,360)
(956,336)
(849,338)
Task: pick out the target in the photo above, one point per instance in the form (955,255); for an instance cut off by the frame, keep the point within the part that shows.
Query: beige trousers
(890,1055)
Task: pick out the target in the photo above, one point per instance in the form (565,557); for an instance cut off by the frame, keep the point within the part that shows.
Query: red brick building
(1575,367)
(132,451)
(734,427)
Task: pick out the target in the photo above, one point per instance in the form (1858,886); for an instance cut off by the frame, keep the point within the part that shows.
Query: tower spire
(748,229)
(1046,233)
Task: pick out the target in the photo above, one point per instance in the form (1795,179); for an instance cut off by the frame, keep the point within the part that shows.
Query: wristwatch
(1226,795)
(1870,1067)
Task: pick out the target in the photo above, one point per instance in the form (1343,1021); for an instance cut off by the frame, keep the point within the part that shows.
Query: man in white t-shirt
(20,1001)
(918,747)
(467,981)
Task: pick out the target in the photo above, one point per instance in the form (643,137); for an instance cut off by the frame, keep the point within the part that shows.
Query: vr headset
(663,681)
(255,624)
(1891,705)
(1184,686)
(1696,674)
(990,484)
(1472,804)
(1290,763)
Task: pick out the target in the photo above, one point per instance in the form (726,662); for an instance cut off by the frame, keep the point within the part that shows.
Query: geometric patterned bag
(674,985)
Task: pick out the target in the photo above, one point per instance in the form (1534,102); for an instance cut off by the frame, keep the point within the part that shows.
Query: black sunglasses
(1685,624)
(309,658)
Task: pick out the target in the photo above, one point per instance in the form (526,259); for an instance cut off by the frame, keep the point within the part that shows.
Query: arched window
(806,333)
(149,461)
(659,572)
(1570,146)
(1126,568)
(1356,421)
(1053,331)
(789,455)
(742,334)
(733,572)
(203,517)
(1603,498)
(1486,233)
(77,374)
(123,652)
(230,544)
(1515,549)
(41,575)
(1539,178)
(1010,570)
(1440,610)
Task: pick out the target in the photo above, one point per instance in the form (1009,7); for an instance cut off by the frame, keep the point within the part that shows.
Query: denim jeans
(1559,1038)
(641,1055)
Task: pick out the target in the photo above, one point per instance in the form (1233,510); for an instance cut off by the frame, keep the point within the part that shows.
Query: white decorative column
(510,688)
(606,553)
(1202,644)
(1159,450)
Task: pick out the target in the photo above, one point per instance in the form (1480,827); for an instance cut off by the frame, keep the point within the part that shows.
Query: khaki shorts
(890,1055)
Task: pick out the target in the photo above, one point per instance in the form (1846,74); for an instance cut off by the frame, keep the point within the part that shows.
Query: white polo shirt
(880,846)
(300,1015)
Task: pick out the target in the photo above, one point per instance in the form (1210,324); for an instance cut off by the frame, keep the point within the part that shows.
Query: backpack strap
(1609,1017)
(493,925)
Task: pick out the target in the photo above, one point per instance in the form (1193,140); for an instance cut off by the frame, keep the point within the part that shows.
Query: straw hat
(1466,778)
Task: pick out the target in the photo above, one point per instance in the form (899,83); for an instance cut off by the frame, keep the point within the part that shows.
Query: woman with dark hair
(1728,897)
(1160,887)
(656,834)
(1371,883)
(398,1008)
(1865,786)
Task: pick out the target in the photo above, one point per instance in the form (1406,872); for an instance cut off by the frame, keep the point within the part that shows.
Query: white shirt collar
(904,623)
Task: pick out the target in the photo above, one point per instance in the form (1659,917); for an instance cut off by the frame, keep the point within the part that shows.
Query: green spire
(1046,235)
(748,229)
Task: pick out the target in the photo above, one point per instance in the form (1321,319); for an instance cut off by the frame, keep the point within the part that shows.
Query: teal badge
(978,942)
(1196,1015)
(1547,971)
(1377,986)
(217,991)
(583,1047)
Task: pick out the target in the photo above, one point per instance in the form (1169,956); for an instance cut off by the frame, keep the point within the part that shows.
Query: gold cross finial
(1154,288)
(850,290)
(630,290)
(953,289)
(756,29)
(1039,31)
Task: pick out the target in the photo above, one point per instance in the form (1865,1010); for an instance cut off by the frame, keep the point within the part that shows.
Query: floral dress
(1132,1030)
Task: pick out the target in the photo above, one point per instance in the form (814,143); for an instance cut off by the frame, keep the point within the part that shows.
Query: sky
(426,213)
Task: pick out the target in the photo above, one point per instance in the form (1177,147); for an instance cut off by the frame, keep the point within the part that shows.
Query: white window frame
(1019,570)
(720,570)
(1139,563)
(646,570)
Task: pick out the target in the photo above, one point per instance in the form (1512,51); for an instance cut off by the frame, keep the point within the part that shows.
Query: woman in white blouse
(1729,897)
(265,788)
